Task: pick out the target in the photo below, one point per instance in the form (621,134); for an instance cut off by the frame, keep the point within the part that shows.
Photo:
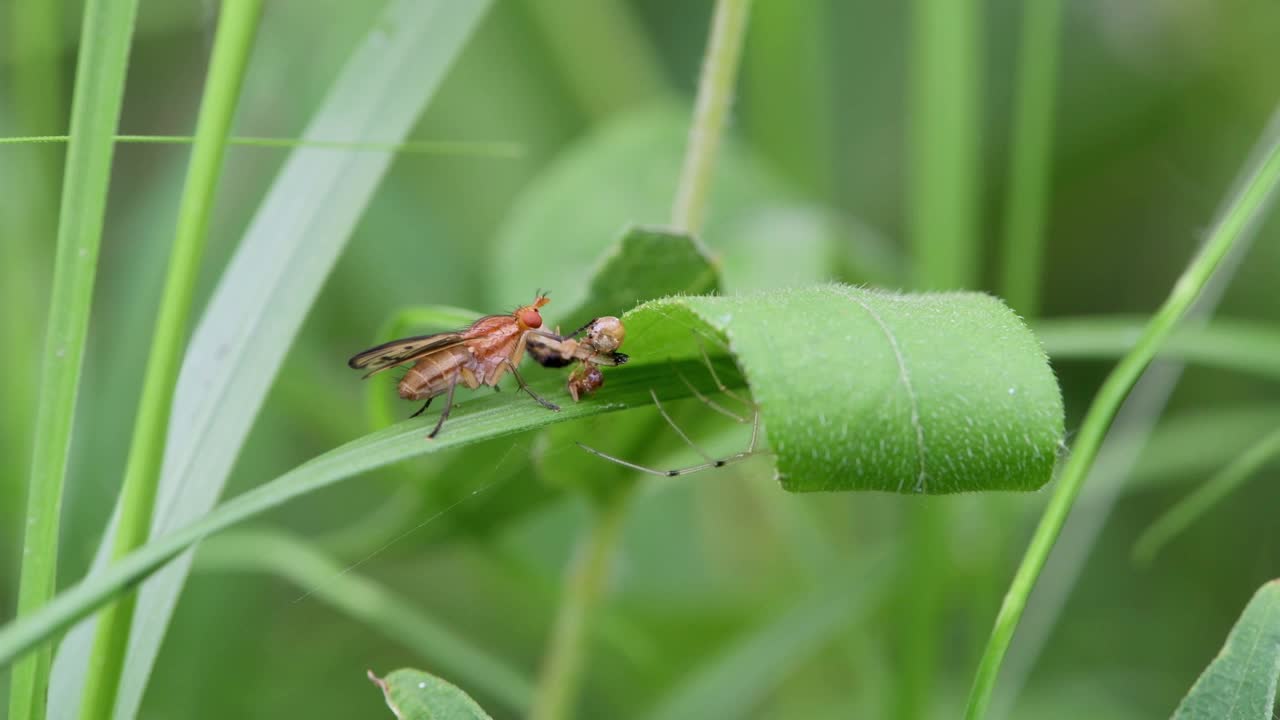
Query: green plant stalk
(562,670)
(27,221)
(1181,516)
(789,112)
(1029,156)
(602,52)
(371,603)
(503,150)
(1102,411)
(943,226)
(95,111)
(944,136)
(715,95)
(233,42)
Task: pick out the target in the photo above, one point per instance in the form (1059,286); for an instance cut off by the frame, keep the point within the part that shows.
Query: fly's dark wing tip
(621,358)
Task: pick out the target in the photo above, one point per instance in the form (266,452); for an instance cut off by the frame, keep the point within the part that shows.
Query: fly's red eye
(531,318)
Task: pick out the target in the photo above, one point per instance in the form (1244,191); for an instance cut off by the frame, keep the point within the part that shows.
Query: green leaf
(416,695)
(262,299)
(648,263)
(1240,683)
(869,390)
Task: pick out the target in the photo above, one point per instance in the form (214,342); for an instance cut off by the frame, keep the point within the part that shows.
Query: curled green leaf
(869,390)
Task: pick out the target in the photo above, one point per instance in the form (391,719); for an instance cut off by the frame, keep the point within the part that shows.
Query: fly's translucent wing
(399,352)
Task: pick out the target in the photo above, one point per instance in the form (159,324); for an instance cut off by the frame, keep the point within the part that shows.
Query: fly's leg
(422,409)
(448,406)
(525,387)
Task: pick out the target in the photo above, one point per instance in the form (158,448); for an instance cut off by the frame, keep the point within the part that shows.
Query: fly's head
(528,316)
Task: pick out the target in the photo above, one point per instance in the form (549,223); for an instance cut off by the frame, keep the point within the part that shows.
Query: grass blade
(734,682)
(265,293)
(1118,456)
(106,33)
(233,43)
(1239,345)
(1235,223)
(370,603)
(1181,516)
(486,417)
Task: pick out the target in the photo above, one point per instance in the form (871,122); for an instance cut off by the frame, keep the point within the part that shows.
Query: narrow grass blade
(263,297)
(739,678)
(1235,224)
(1240,684)
(370,603)
(1239,345)
(486,417)
(504,150)
(1134,422)
(233,43)
(106,33)
(1189,509)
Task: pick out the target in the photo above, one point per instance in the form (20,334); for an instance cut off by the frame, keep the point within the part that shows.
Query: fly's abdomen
(433,374)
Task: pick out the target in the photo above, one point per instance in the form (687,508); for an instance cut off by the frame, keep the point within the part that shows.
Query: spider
(710,462)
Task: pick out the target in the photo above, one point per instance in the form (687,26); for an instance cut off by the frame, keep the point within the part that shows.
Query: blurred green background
(1158,104)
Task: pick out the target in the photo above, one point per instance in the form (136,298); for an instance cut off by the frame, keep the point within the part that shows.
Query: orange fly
(479,355)
(603,337)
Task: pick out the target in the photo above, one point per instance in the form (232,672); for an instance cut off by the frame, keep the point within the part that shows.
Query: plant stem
(944,134)
(562,669)
(237,25)
(95,111)
(1029,165)
(28,220)
(602,52)
(715,93)
(1115,388)
(943,201)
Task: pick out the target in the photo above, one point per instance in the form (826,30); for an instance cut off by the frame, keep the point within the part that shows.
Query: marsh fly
(478,355)
(603,337)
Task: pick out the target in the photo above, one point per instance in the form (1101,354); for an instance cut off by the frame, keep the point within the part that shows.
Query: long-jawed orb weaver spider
(709,462)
